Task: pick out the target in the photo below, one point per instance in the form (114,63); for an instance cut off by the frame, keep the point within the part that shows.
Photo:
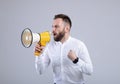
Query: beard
(59,36)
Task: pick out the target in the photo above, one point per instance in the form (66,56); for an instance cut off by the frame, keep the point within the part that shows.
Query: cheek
(57,31)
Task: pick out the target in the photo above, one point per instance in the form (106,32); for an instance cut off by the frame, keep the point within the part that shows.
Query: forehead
(57,21)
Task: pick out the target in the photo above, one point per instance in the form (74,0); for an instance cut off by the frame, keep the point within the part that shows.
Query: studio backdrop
(95,22)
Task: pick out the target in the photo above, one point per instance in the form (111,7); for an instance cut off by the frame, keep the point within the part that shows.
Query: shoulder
(79,44)
(76,41)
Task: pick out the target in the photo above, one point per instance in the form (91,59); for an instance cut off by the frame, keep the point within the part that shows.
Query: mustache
(54,33)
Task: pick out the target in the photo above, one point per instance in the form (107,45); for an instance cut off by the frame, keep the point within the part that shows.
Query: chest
(59,54)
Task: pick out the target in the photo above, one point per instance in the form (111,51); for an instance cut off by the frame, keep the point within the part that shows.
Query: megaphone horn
(27,38)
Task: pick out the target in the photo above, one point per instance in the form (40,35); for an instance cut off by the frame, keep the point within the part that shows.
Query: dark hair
(65,18)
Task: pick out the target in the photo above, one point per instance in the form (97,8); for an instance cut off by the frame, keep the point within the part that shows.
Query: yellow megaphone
(28,38)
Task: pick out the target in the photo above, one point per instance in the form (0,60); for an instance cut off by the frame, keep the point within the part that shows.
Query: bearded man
(69,56)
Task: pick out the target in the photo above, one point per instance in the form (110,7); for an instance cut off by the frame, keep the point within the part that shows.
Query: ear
(67,28)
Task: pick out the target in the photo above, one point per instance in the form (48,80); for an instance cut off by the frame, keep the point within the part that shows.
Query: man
(69,56)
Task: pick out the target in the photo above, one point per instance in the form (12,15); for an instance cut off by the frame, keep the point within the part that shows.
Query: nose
(53,29)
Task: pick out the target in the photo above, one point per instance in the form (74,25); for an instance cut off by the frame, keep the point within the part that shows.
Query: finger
(37,49)
(70,51)
(42,47)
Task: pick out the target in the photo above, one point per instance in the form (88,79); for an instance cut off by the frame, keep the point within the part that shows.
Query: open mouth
(54,34)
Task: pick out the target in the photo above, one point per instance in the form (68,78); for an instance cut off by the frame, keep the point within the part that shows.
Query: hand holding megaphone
(28,38)
(39,48)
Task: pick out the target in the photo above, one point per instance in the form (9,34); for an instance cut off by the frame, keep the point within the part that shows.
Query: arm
(42,61)
(84,63)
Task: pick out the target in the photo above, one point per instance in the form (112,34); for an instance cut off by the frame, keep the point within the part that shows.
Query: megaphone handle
(37,53)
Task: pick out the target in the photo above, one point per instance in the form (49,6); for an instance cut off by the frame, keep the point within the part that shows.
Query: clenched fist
(72,55)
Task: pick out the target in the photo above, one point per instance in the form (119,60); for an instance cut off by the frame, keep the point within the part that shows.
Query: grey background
(96,22)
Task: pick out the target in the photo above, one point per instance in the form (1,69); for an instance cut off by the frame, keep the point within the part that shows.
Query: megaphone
(28,38)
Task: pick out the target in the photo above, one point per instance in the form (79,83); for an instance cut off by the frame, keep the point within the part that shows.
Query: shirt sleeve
(84,64)
(42,62)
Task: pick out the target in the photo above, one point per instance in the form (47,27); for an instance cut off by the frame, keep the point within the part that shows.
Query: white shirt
(64,70)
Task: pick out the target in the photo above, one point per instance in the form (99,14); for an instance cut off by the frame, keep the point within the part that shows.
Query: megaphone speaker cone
(26,37)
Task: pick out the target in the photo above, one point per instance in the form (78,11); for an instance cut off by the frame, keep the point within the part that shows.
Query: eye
(55,26)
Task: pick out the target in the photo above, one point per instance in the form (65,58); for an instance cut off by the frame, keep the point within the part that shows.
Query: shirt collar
(64,42)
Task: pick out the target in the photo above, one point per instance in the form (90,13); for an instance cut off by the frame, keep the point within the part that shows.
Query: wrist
(75,60)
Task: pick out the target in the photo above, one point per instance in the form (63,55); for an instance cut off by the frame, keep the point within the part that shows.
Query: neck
(65,38)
